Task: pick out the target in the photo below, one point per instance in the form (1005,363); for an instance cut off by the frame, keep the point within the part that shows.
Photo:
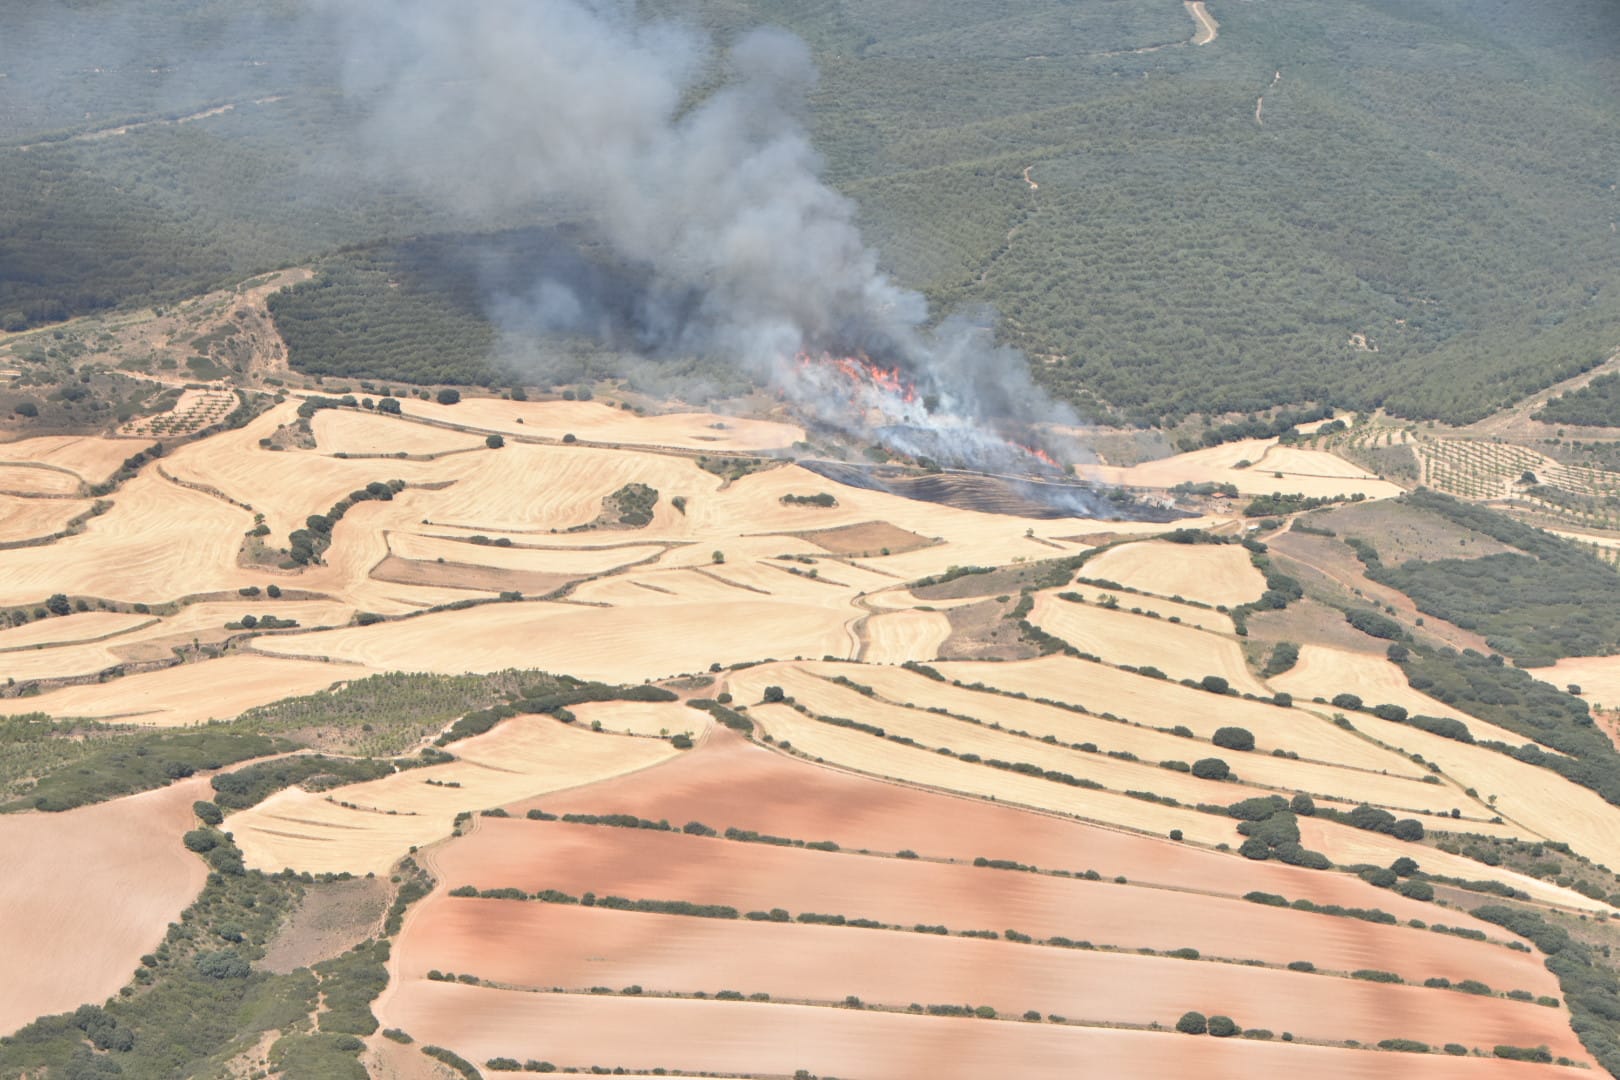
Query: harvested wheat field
(1181,652)
(158,541)
(1187,614)
(83,626)
(193,693)
(639,864)
(37,481)
(597,422)
(86,892)
(643,717)
(1598,678)
(340,431)
(366,827)
(23,518)
(755,1039)
(894,637)
(613,644)
(1379,776)
(1218,574)
(88,457)
(530,945)
(1304,472)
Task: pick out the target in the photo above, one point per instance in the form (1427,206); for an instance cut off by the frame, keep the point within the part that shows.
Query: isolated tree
(1234,738)
(774,694)
(1192,1023)
(448,396)
(494,442)
(1215,684)
(1211,768)
(1223,1027)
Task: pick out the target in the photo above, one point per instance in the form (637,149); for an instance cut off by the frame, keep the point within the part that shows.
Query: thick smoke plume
(696,169)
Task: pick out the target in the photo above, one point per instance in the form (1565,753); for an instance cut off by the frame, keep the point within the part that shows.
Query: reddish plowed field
(638,864)
(732,783)
(744,1037)
(528,944)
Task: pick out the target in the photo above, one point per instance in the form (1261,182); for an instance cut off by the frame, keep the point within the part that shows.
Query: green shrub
(1192,1023)
(1223,1027)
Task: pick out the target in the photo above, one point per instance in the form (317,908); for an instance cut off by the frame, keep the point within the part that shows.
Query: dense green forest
(1433,175)
(1596,404)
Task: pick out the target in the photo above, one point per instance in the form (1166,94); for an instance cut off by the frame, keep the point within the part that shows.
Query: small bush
(1192,1023)
(1223,1027)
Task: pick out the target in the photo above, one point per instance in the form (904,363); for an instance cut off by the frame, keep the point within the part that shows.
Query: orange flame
(862,372)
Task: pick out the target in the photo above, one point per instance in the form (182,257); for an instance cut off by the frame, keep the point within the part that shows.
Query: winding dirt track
(1208,28)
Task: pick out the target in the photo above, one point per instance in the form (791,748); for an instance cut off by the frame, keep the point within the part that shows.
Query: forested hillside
(1362,203)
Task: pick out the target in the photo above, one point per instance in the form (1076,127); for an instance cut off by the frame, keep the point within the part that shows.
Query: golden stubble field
(496,558)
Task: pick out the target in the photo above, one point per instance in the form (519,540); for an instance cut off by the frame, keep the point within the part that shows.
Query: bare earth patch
(865,539)
(333,917)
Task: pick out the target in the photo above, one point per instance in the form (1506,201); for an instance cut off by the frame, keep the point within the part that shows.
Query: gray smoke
(693,167)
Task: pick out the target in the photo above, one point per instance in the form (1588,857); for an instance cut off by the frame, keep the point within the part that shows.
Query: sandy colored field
(897,636)
(1326,672)
(582,560)
(86,892)
(29,519)
(1358,846)
(93,459)
(79,627)
(1597,676)
(612,644)
(1210,573)
(637,863)
(28,480)
(1152,702)
(533,945)
(193,693)
(742,1037)
(1324,778)
(522,757)
(728,782)
(288,486)
(932,731)
(643,717)
(1181,652)
(342,431)
(596,422)
(1305,472)
(1203,618)
(158,541)
(881,758)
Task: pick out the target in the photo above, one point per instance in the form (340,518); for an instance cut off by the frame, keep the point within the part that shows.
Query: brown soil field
(1211,574)
(617,644)
(193,693)
(1305,472)
(640,864)
(731,783)
(521,758)
(86,892)
(753,1039)
(30,519)
(532,945)
(1402,532)
(868,538)
(1181,652)
(1310,620)
(332,917)
(598,422)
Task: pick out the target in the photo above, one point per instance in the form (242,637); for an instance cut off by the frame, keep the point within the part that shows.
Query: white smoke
(693,167)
